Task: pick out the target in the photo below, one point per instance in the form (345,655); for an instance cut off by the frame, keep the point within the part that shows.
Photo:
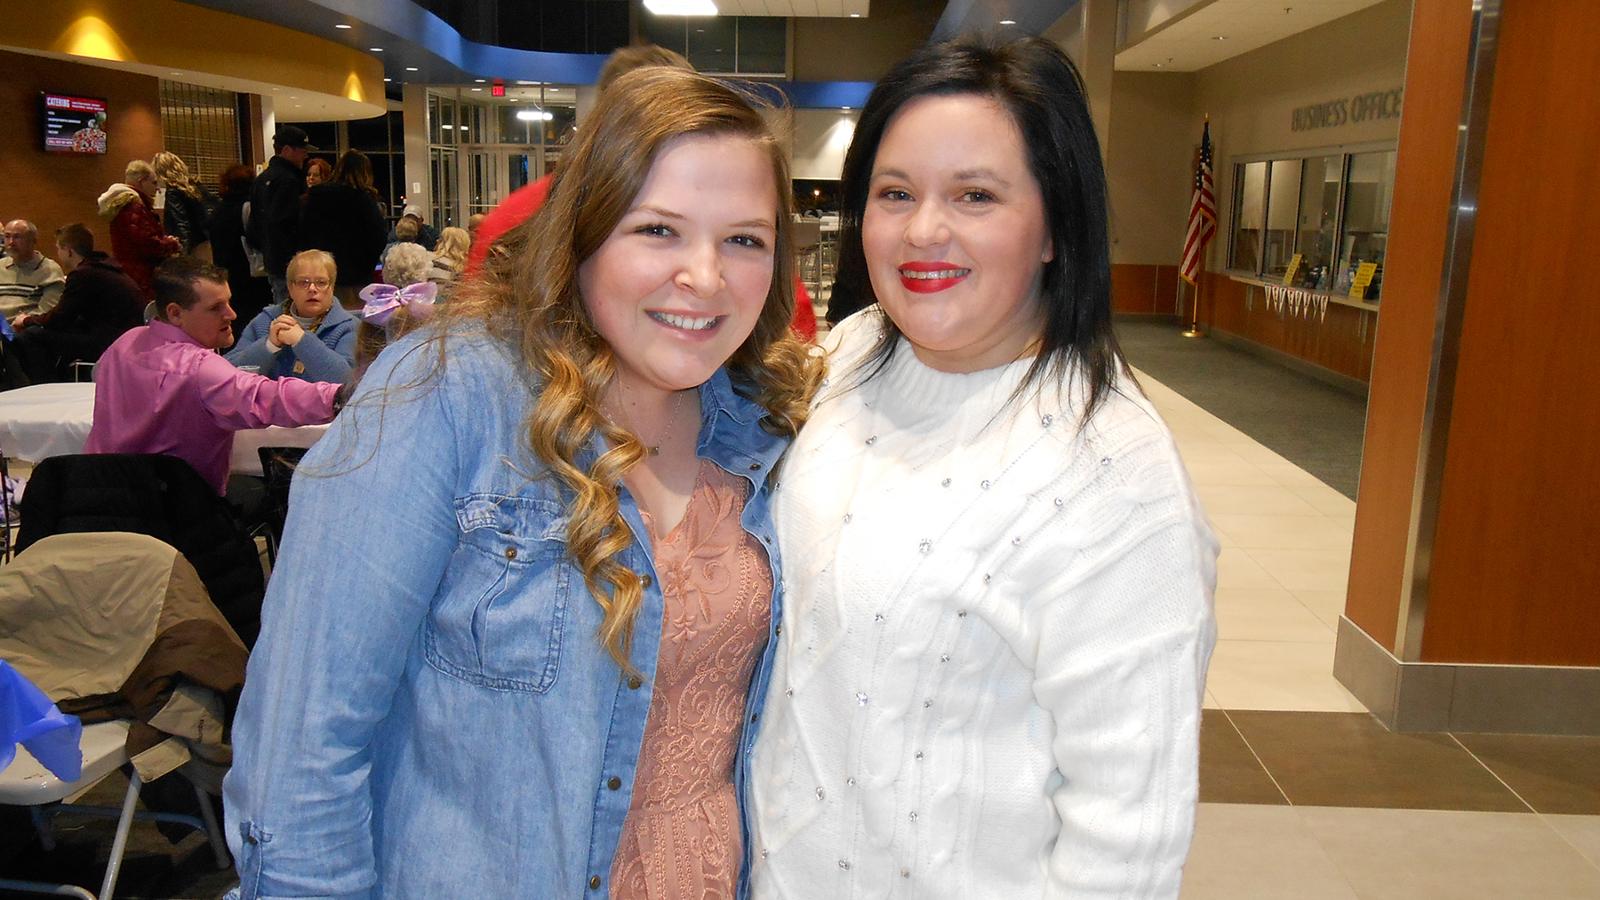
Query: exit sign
(498,89)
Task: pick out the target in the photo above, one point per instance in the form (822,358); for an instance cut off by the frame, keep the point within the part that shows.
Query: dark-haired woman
(341,216)
(998,616)
(251,293)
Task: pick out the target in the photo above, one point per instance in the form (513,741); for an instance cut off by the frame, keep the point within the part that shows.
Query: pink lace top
(681,838)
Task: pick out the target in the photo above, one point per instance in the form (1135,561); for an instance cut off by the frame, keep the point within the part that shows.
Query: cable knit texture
(994,642)
(681,839)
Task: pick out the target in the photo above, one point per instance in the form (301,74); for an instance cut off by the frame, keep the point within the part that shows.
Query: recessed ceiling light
(480,81)
(411,68)
(478,89)
(376,49)
(844,109)
(511,99)
(342,27)
(388,79)
(1008,21)
(1219,37)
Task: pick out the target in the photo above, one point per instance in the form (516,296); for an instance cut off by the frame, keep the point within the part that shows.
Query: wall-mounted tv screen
(73,124)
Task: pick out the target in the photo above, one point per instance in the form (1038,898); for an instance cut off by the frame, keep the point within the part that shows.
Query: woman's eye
(654,230)
(976,196)
(748,240)
(895,194)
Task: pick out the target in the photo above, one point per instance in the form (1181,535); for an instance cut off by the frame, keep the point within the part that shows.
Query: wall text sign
(1356,108)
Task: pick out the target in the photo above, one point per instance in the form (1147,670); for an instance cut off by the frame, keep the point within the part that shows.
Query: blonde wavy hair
(453,246)
(529,297)
(170,168)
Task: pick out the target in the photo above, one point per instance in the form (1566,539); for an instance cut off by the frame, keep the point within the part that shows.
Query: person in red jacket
(138,242)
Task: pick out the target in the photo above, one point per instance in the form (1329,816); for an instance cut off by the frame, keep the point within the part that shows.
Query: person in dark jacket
(188,204)
(99,303)
(275,206)
(138,241)
(342,217)
(426,235)
(251,294)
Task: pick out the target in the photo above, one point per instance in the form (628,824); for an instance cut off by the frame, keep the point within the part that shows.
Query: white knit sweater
(994,643)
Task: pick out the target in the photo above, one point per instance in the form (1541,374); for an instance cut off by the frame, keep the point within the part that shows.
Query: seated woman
(449,256)
(274,341)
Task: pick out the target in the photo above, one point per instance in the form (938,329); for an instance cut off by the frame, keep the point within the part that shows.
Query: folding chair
(277,470)
(27,783)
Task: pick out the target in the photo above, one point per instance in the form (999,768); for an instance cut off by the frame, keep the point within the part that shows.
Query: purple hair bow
(383,299)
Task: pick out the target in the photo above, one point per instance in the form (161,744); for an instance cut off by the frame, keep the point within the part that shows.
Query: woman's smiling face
(681,281)
(954,232)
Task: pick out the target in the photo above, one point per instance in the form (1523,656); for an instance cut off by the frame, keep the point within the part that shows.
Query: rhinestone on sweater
(986,577)
(861,698)
(918,754)
(763,853)
(1016,541)
(944,483)
(847,518)
(961,614)
(1060,503)
(944,657)
(1105,460)
(850,782)
(821,793)
(924,546)
(984,484)
(928,703)
(913,815)
(872,440)
(844,864)
(905,873)
(877,617)
(788,692)
(1047,420)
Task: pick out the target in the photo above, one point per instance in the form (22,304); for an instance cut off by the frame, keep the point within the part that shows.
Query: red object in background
(498,89)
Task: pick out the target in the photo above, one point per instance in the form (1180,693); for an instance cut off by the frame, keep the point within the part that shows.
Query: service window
(1250,208)
(1369,195)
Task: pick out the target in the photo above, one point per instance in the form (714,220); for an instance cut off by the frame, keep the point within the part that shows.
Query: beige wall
(834,49)
(819,140)
(1156,119)
(1154,133)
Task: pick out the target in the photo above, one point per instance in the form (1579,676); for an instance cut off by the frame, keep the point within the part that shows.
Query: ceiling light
(1219,37)
(530,82)
(681,7)
(343,27)
(844,109)
(480,81)
(855,15)
(511,99)
(388,79)
(411,68)
(479,90)
(376,49)
(1008,21)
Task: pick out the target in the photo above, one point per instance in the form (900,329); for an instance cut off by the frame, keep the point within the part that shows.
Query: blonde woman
(187,204)
(312,337)
(450,255)
(541,675)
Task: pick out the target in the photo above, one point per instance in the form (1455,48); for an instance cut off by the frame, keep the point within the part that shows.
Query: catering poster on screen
(74,124)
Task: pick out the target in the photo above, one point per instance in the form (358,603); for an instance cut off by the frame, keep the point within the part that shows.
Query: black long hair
(1038,85)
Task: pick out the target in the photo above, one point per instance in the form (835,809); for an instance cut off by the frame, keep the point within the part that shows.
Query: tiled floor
(1303,794)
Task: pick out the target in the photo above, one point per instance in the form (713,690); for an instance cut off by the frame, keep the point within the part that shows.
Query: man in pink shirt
(162,388)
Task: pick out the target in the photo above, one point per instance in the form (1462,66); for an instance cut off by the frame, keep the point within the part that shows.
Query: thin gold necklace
(666,433)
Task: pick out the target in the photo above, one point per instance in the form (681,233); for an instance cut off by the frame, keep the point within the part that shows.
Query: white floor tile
(1306,570)
(1235,568)
(1582,832)
(1325,605)
(1242,852)
(1245,614)
(1261,500)
(1405,854)
(1277,675)
(1274,532)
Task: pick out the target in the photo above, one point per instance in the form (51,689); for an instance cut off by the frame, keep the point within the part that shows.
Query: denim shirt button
(646,581)
(594,882)
(755,467)
(635,682)
(614,783)
(511,553)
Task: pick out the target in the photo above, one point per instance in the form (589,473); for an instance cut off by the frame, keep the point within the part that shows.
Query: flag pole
(1202,226)
(1193,331)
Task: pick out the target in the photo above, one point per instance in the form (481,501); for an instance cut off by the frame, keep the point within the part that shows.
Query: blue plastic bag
(27,717)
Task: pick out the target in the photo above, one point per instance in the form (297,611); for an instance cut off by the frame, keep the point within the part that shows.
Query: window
(200,124)
(725,45)
(1249,203)
(1331,209)
(1369,194)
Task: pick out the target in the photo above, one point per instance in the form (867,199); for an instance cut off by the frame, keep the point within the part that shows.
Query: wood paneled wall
(1516,563)
(1147,290)
(1341,340)
(1436,66)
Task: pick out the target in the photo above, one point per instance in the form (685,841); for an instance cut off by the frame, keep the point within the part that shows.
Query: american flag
(1202,213)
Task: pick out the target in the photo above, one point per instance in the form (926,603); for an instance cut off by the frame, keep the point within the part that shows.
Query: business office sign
(1345,110)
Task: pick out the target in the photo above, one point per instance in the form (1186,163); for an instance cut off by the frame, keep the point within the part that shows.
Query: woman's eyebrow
(982,174)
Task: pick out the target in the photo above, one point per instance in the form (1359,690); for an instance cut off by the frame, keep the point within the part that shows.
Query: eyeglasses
(320,284)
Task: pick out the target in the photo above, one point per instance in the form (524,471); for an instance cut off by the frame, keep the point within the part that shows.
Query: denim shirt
(429,711)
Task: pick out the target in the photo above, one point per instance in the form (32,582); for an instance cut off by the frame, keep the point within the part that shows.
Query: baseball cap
(292,136)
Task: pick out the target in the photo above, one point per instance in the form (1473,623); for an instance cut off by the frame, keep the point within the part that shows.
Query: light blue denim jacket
(428,711)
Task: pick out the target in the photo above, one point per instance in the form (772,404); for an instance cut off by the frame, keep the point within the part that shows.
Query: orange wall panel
(53,189)
(1436,66)
(1516,563)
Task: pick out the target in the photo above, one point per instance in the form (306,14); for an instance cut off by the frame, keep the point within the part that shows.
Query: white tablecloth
(46,420)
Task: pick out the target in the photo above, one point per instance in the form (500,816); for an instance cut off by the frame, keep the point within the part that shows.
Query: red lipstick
(931,277)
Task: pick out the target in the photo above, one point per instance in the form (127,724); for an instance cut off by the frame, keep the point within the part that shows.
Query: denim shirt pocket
(498,618)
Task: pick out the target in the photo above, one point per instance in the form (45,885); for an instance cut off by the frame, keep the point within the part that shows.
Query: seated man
(162,388)
(30,282)
(98,305)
